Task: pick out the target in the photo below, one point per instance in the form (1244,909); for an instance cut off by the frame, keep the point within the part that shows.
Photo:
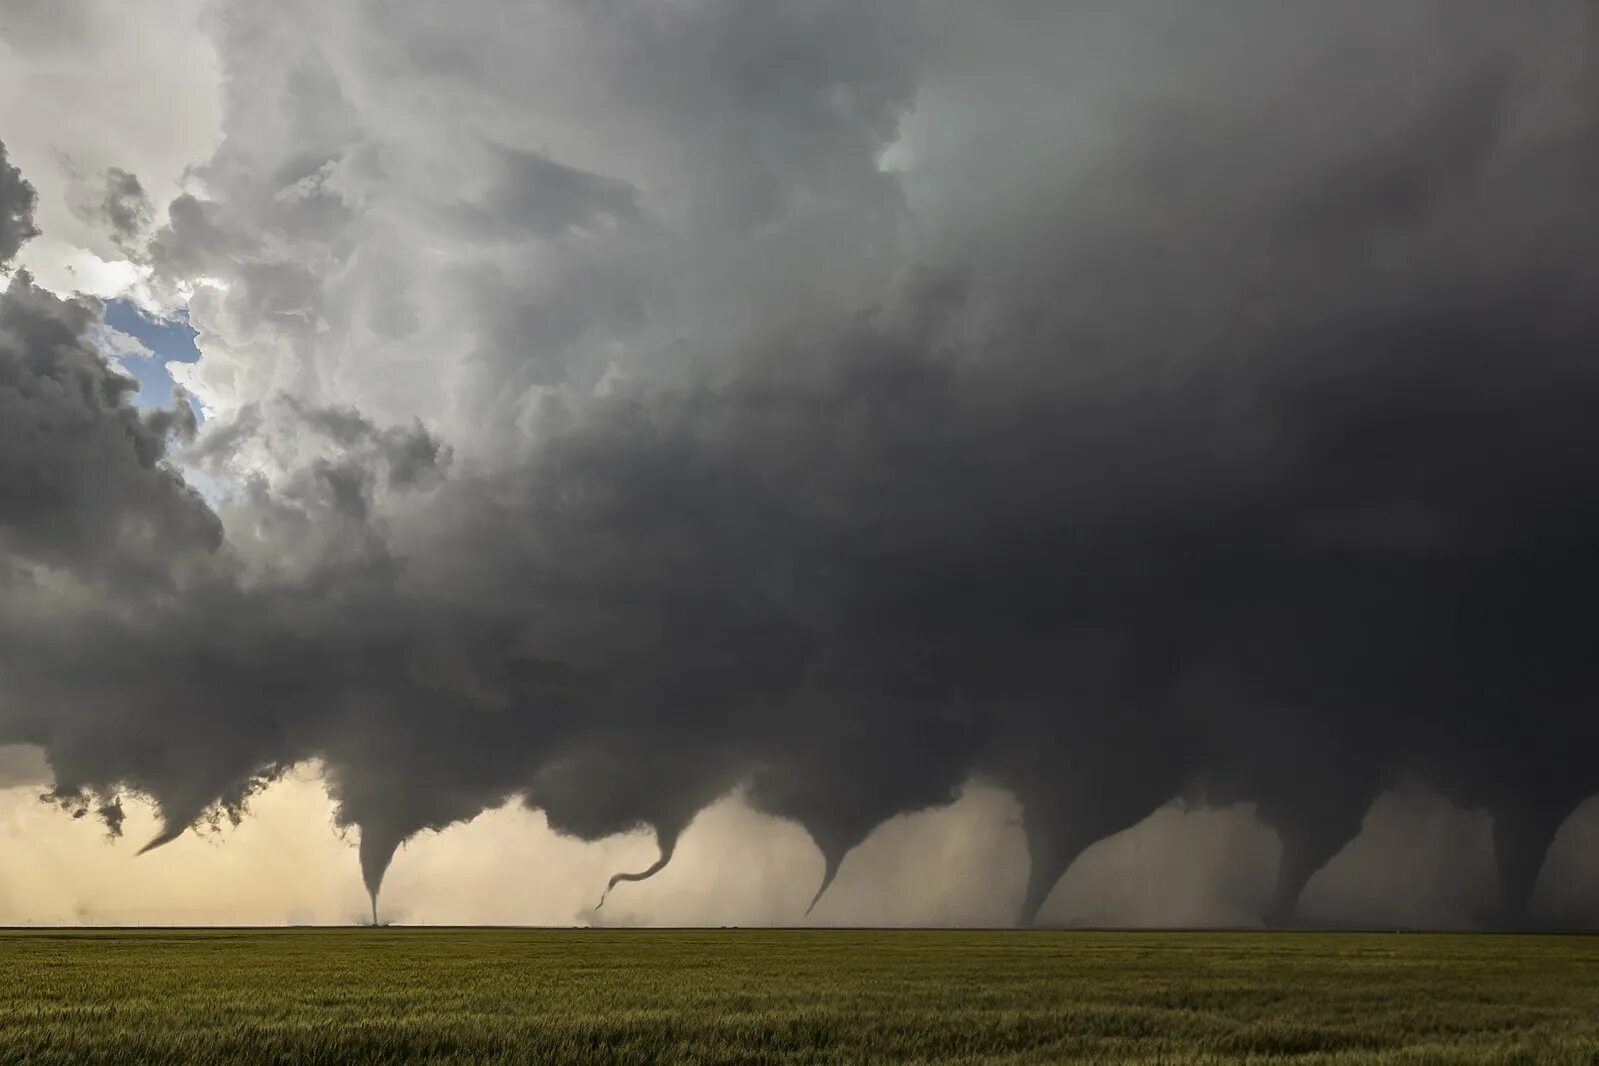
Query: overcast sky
(846,461)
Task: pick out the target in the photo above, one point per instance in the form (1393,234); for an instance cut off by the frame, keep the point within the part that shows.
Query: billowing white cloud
(88,86)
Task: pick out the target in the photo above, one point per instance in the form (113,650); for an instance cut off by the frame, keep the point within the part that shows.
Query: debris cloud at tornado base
(1110,406)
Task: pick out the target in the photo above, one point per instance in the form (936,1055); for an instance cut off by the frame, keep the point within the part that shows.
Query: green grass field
(392,996)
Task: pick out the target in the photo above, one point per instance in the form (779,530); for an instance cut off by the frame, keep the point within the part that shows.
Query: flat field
(504,996)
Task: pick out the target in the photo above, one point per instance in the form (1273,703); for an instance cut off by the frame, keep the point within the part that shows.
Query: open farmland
(412,995)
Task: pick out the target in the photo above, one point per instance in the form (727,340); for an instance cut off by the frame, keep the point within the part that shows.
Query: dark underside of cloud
(1249,458)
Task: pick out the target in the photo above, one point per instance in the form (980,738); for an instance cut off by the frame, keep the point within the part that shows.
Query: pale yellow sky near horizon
(1419,860)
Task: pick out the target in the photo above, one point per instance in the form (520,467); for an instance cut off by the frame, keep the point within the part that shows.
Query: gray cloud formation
(125,207)
(85,485)
(1193,405)
(16,210)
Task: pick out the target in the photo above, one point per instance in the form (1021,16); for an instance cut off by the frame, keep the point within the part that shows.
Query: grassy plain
(515,996)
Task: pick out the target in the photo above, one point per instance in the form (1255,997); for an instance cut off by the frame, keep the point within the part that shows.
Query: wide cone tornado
(1522,833)
(376,851)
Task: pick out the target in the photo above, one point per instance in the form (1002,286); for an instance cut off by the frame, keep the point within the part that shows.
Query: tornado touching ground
(832,406)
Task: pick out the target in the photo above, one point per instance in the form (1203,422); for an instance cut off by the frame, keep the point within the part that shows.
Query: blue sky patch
(171,340)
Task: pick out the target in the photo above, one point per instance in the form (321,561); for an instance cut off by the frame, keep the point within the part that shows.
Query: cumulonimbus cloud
(1197,406)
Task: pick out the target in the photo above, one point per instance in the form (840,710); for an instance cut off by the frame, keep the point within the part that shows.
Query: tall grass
(515,996)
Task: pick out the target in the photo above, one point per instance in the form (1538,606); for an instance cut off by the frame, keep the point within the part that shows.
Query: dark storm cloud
(1230,441)
(16,209)
(83,484)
